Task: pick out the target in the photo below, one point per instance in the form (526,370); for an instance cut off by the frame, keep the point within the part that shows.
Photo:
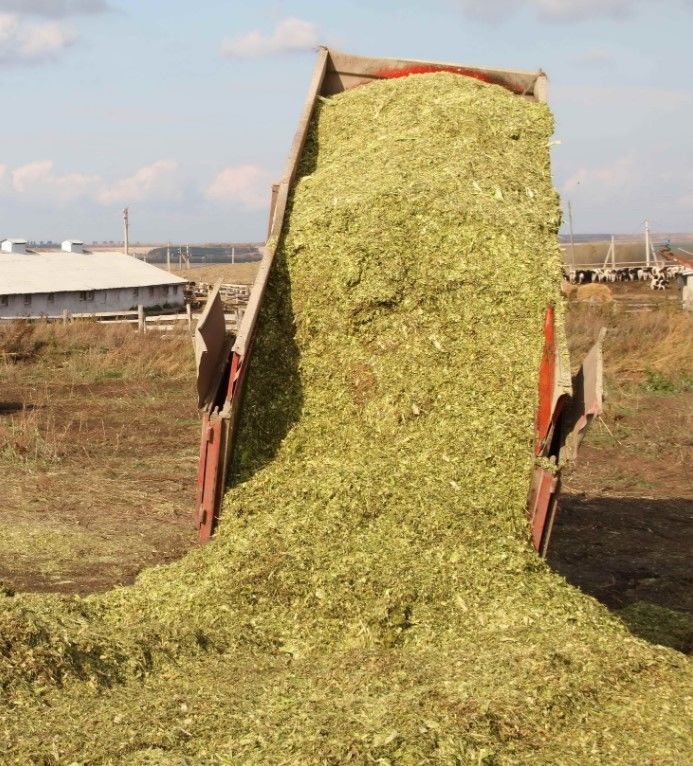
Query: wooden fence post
(188,311)
(65,316)
(141,324)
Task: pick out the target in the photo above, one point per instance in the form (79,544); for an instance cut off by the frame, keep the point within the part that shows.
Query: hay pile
(371,597)
(594,293)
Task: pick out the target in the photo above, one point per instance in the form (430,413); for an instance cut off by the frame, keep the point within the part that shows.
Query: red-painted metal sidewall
(547,381)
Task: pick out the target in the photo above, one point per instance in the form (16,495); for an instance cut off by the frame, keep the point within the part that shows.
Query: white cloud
(55,8)
(686,201)
(44,40)
(596,57)
(607,181)
(158,181)
(37,179)
(22,42)
(619,174)
(290,35)
(244,185)
(559,10)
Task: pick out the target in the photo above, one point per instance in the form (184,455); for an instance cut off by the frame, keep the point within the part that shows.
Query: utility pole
(233,255)
(611,254)
(168,256)
(126,231)
(647,243)
(570,224)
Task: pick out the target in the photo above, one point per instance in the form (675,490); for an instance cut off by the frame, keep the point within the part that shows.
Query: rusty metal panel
(587,401)
(208,483)
(246,330)
(554,393)
(201,470)
(542,504)
(347,71)
(210,336)
(554,385)
(547,380)
(558,438)
(218,435)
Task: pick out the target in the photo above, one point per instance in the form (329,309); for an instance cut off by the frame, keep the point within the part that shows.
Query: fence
(144,322)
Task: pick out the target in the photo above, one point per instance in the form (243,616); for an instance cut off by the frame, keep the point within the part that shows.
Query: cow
(659,280)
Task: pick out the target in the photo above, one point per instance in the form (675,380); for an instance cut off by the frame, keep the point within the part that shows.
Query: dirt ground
(624,528)
(98,451)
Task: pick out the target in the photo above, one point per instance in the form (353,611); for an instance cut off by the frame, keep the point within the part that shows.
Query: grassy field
(99,431)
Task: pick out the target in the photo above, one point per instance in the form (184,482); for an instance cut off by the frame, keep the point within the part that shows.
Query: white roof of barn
(58,271)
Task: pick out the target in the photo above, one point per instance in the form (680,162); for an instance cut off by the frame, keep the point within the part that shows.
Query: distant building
(13,246)
(35,284)
(72,246)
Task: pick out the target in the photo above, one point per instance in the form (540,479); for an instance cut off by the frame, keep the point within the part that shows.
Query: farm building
(39,283)
(13,246)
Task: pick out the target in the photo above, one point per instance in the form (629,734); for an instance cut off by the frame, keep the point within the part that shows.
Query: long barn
(48,283)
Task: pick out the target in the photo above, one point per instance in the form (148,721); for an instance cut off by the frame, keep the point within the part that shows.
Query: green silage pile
(371,597)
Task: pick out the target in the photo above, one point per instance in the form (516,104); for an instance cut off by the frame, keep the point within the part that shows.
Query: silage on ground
(372,596)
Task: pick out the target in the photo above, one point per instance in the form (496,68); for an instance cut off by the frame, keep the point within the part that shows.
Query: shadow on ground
(633,554)
(10,408)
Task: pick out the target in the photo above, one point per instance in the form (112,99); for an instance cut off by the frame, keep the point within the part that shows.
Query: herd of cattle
(659,276)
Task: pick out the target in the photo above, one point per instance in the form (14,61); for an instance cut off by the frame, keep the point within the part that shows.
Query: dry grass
(593,293)
(636,344)
(641,445)
(98,443)
(96,347)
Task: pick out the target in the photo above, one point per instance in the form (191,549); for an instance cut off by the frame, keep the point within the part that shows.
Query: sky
(184,111)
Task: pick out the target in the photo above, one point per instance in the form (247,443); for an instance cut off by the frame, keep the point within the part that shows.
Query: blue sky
(185,111)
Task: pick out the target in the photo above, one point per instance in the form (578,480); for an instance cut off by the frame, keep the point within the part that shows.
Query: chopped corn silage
(371,596)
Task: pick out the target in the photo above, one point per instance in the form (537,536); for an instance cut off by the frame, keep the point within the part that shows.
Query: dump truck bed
(224,372)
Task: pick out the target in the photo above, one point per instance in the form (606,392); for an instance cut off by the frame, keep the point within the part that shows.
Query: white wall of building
(13,246)
(688,291)
(76,302)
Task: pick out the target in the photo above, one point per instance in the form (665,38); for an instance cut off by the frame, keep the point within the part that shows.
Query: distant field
(236,273)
